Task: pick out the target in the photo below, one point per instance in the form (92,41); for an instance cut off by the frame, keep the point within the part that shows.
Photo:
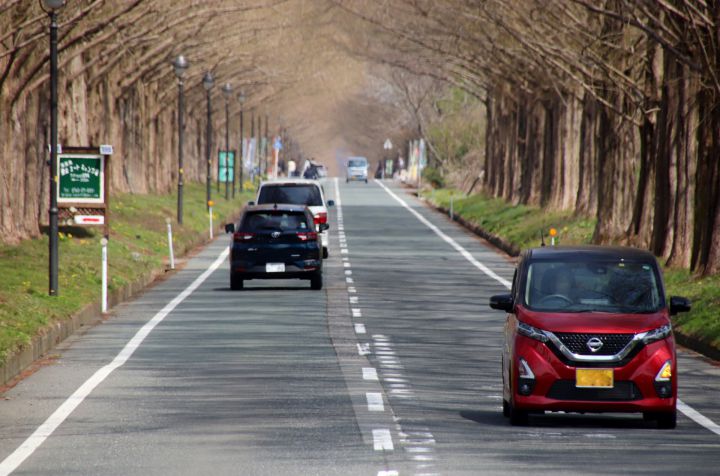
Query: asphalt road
(392,369)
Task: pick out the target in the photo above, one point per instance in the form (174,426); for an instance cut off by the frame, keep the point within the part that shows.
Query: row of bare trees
(607,107)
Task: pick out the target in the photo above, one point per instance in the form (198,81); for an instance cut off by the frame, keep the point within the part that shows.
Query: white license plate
(275,268)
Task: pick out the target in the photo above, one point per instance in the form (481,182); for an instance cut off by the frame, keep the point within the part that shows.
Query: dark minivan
(275,242)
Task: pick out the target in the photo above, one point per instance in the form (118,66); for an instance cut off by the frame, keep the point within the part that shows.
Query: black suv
(275,242)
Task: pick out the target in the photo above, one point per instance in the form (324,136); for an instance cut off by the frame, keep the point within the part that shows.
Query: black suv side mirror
(331,203)
(229,227)
(251,203)
(502,302)
(679,304)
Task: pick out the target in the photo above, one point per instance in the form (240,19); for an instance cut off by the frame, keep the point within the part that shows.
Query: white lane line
(44,431)
(353,299)
(698,417)
(348,272)
(356,313)
(369,373)
(346,264)
(390,472)
(449,240)
(352,290)
(374,402)
(349,280)
(360,328)
(344,251)
(382,440)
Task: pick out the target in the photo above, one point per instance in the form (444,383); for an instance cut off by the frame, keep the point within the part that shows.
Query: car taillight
(320,218)
(240,236)
(307,236)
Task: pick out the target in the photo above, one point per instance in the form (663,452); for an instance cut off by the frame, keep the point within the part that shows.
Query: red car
(588,330)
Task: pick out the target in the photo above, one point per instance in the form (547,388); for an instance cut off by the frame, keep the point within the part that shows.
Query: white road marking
(343,251)
(449,240)
(352,290)
(374,402)
(353,299)
(369,373)
(348,272)
(44,431)
(382,440)
(356,313)
(346,264)
(698,417)
(349,280)
(363,349)
(360,328)
(390,472)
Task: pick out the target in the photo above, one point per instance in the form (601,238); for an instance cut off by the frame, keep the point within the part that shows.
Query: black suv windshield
(294,194)
(274,220)
(602,286)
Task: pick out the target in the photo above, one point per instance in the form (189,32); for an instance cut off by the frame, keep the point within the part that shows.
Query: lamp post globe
(208,81)
(181,65)
(53,5)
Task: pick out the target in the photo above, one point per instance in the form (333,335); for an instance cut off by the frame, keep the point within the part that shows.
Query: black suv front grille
(577,343)
(621,392)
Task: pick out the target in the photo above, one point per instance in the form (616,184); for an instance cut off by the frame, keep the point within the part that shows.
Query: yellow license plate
(594,378)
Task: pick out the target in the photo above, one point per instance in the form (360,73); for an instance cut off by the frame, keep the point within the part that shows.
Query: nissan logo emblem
(594,344)
(276,234)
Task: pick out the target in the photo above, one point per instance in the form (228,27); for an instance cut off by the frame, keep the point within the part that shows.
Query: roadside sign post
(104,300)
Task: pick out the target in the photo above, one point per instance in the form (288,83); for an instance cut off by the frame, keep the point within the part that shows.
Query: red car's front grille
(577,343)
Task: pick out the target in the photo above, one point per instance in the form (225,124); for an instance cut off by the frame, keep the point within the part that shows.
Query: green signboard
(226,166)
(81,178)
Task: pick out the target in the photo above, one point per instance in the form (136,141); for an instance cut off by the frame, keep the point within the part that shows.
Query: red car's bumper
(635,388)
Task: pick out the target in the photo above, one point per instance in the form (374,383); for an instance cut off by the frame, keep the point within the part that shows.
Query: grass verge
(137,246)
(520,226)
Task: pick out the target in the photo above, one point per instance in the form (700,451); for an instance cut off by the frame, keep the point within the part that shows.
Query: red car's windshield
(602,286)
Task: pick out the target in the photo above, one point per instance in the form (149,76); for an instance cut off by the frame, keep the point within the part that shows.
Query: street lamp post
(252,136)
(51,7)
(267,142)
(181,65)
(227,92)
(208,83)
(241,164)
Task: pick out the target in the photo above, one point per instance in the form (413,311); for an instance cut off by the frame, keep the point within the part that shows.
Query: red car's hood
(593,322)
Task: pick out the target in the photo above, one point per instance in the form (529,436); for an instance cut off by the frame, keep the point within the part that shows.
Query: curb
(90,315)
